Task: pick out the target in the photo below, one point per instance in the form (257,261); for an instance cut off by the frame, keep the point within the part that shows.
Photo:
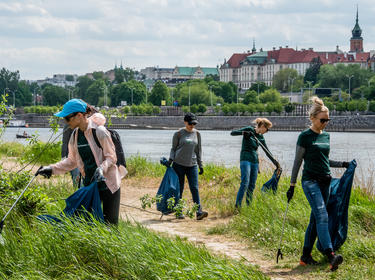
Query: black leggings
(111,205)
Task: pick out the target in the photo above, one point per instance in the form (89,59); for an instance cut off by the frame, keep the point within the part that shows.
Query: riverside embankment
(348,123)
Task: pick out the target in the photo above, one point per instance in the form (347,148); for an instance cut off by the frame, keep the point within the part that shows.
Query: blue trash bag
(338,206)
(80,204)
(169,187)
(272,183)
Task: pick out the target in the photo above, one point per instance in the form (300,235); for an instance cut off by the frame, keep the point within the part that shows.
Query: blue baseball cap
(72,106)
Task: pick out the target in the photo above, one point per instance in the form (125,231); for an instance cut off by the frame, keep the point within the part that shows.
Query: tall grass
(95,251)
(260,224)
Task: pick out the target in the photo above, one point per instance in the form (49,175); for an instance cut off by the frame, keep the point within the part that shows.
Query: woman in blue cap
(94,162)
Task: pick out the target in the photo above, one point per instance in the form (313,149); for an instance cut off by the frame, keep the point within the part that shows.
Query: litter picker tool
(279,254)
(11,208)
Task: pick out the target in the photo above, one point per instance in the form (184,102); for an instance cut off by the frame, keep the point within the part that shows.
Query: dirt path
(196,231)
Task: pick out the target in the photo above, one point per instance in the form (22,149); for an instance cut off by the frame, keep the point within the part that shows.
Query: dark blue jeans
(249,174)
(192,177)
(317,197)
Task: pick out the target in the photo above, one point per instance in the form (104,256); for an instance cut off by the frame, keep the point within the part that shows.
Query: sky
(40,38)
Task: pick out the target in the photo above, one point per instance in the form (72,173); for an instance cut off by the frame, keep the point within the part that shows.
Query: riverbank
(345,123)
(251,236)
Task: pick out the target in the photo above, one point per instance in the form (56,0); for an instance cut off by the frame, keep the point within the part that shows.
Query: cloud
(43,37)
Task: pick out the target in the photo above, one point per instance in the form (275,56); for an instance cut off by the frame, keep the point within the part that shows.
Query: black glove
(345,164)
(45,171)
(200,170)
(98,175)
(170,162)
(289,193)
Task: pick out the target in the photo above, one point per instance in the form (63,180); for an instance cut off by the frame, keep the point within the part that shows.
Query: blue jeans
(249,174)
(317,197)
(192,177)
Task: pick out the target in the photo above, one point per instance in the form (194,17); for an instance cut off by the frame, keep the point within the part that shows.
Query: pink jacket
(105,158)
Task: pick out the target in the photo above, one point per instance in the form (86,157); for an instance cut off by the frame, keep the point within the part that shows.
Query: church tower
(356,42)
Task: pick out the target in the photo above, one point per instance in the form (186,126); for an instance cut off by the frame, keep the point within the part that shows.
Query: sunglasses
(67,118)
(324,120)
(192,123)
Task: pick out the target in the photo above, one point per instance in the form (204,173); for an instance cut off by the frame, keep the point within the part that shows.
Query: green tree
(159,92)
(54,95)
(259,85)
(98,75)
(131,92)
(282,80)
(270,96)
(312,72)
(95,91)
(251,97)
(84,82)
(23,95)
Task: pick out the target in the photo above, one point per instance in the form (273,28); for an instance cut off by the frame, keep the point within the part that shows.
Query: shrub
(202,108)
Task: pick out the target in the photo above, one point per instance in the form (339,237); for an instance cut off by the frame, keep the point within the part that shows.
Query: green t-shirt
(87,157)
(316,159)
(249,144)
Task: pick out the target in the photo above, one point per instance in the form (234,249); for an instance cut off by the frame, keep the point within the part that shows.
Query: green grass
(36,250)
(260,225)
(38,151)
(82,251)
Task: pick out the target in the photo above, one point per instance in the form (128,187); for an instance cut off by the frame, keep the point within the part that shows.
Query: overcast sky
(45,37)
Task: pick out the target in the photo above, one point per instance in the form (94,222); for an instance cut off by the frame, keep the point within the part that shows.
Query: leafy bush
(202,108)
(372,106)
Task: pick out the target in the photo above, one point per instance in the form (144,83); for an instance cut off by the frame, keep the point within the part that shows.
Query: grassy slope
(261,223)
(35,250)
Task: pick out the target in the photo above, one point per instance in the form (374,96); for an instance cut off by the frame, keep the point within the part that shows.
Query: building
(157,73)
(60,80)
(247,68)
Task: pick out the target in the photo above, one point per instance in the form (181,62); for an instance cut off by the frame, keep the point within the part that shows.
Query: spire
(254,49)
(357,31)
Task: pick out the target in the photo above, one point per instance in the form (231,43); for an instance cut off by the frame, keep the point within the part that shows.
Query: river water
(222,148)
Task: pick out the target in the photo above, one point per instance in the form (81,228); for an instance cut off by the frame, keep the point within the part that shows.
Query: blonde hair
(317,107)
(263,121)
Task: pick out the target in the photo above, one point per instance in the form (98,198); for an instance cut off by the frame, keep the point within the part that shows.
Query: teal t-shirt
(87,157)
(316,159)
(249,144)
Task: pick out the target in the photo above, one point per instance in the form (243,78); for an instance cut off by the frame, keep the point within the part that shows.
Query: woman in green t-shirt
(249,162)
(313,148)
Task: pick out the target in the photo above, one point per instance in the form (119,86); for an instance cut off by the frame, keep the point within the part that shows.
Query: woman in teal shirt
(313,147)
(249,162)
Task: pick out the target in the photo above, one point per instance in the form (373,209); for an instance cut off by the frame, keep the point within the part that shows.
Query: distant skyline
(45,37)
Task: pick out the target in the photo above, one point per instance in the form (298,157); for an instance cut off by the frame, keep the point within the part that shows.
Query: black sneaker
(202,215)
(307,260)
(335,261)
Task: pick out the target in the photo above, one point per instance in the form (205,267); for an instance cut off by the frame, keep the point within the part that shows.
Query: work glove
(45,171)
(289,193)
(345,164)
(169,162)
(200,170)
(98,175)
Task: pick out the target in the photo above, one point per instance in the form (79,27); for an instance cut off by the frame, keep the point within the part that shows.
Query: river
(222,148)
